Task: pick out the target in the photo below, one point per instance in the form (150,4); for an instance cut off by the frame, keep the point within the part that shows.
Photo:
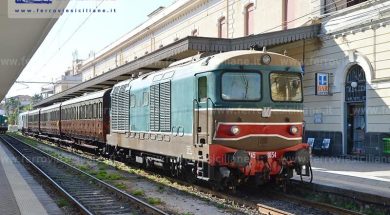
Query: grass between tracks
(103,171)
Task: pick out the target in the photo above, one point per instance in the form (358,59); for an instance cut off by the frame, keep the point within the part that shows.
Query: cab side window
(202,89)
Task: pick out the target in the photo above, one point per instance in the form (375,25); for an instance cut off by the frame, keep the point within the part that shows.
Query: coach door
(201,108)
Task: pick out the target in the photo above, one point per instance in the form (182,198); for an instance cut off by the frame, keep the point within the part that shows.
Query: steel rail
(262,208)
(111,194)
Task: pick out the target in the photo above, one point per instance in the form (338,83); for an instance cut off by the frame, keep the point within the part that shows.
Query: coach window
(80,112)
(97,110)
(202,89)
(101,110)
(85,111)
(90,111)
(94,111)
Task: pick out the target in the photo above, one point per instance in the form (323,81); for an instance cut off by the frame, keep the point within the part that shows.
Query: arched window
(249,18)
(355,85)
(222,28)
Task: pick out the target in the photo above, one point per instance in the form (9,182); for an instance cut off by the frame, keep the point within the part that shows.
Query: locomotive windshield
(241,86)
(286,87)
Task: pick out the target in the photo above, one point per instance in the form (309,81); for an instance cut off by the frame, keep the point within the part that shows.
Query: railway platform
(362,176)
(20,193)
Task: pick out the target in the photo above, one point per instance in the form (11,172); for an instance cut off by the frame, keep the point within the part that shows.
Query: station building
(346,62)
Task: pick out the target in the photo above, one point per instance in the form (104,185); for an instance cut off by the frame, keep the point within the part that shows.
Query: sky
(54,55)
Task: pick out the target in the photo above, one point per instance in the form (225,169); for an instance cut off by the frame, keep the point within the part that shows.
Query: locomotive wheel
(189,175)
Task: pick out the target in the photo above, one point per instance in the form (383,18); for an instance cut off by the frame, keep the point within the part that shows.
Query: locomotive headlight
(294,129)
(235,130)
(265,59)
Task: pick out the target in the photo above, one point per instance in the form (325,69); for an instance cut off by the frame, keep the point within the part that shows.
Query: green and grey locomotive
(227,118)
(224,118)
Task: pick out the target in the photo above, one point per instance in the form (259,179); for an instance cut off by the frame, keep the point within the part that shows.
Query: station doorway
(355,98)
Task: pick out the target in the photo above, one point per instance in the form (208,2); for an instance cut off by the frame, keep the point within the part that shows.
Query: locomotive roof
(250,57)
(90,96)
(198,63)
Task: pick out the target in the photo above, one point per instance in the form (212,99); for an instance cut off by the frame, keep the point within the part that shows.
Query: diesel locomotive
(229,118)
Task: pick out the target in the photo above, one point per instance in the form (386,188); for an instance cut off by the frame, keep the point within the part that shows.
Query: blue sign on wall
(322,84)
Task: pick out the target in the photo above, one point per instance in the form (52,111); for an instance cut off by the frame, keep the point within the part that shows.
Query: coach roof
(88,97)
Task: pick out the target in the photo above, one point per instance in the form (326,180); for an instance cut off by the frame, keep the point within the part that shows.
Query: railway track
(89,194)
(250,199)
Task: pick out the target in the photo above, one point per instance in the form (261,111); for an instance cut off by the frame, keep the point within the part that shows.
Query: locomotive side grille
(160,107)
(120,109)
(165,106)
(114,109)
(155,107)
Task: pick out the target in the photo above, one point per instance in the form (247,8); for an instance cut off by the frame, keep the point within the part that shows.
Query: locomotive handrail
(172,133)
(207,118)
(211,101)
(196,117)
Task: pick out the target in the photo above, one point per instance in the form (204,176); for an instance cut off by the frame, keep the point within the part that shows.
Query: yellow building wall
(204,18)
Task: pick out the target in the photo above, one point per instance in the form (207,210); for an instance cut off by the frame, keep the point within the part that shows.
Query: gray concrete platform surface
(20,193)
(369,177)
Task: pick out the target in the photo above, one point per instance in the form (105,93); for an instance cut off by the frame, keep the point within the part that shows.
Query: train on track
(229,119)
(3,124)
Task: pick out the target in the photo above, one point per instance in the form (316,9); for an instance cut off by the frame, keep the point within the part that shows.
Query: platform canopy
(178,50)
(19,39)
